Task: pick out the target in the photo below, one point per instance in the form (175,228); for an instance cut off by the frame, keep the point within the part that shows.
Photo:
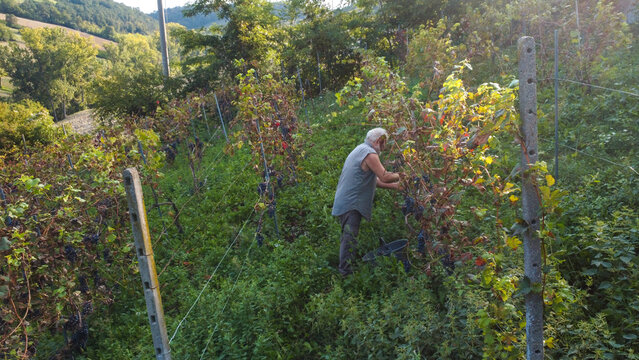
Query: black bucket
(396,248)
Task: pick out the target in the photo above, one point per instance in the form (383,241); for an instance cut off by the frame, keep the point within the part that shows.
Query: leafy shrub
(5,33)
(26,118)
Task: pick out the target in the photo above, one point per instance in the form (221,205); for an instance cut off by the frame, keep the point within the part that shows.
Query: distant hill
(175,15)
(98,17)
(33,24)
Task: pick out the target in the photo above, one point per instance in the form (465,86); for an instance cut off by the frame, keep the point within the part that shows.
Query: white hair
(375,134)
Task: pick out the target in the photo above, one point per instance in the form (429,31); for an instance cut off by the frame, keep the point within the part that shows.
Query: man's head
(377,139)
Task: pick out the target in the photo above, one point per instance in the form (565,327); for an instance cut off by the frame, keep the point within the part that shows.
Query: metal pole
(70,162)
(319,72)
(530,199)
(299,78)
(146,263)
(556,107)
(578,28)
(221,118)
(267,177)
(206,121)
(163,42)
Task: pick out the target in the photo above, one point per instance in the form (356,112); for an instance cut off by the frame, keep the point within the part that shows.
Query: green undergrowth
(285,299)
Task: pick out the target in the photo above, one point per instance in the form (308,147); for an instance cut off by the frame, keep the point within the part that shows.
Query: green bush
(26,118)
(5,33)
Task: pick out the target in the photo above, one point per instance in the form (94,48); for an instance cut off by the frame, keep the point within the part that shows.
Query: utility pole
(163,42)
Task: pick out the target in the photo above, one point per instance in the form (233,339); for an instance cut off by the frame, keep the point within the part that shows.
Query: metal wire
(227,299)
(600,158)
(211,276)
(596,86)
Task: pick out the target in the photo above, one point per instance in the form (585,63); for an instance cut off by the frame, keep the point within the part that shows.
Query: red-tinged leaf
(284,145)
(480,261)
(441,120)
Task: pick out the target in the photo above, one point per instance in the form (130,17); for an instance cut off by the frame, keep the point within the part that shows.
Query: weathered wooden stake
(146,263)
(530,198)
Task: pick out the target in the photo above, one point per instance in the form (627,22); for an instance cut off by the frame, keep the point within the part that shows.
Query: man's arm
(371,162)
(383,185)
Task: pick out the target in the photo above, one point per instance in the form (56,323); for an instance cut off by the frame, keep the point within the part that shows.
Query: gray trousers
(348,241)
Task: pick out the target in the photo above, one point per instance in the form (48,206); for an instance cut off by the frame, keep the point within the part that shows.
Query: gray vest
(356,187)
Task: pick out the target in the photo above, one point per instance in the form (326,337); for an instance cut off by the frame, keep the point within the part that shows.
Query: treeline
(175,15)
(98,17)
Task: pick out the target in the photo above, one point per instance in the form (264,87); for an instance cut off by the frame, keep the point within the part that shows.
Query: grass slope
(287,300)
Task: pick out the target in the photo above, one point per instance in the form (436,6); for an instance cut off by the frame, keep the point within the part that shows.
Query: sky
(149,6)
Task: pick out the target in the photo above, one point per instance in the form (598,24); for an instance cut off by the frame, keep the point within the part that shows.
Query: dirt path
(81,122)
(98,41)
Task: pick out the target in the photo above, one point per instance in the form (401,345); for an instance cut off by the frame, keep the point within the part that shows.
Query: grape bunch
(80,336)
(72,323)
(87,308)
(83,286)
(70,253)
(271,209)
(412,207)
(421,241)
(91,239)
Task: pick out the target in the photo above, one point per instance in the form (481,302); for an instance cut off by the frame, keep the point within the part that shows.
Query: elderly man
(361,175)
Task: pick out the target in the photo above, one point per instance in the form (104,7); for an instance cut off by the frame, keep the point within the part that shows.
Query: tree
(132,81)
(54,68)
(249,33)
(5,33)
(11,21)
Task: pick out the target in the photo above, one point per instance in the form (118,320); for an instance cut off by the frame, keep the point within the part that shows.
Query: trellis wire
(216,206)
(600,158)
(211,276)
(597,86)
(200,224)
(228,298)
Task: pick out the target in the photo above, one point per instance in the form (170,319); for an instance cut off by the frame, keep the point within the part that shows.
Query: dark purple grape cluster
(10,222)
(106,256)
(80,336)
(97,280)
(91,239)
(72,322)
(70,253)
(285,131)
(447,261)
(271,209)
(261,188)
(260,239)
(87,308)
(412,207)
(421,241)
(83,286)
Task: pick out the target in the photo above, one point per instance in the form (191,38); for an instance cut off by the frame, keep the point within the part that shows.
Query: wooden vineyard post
(146,262)
(530,198)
